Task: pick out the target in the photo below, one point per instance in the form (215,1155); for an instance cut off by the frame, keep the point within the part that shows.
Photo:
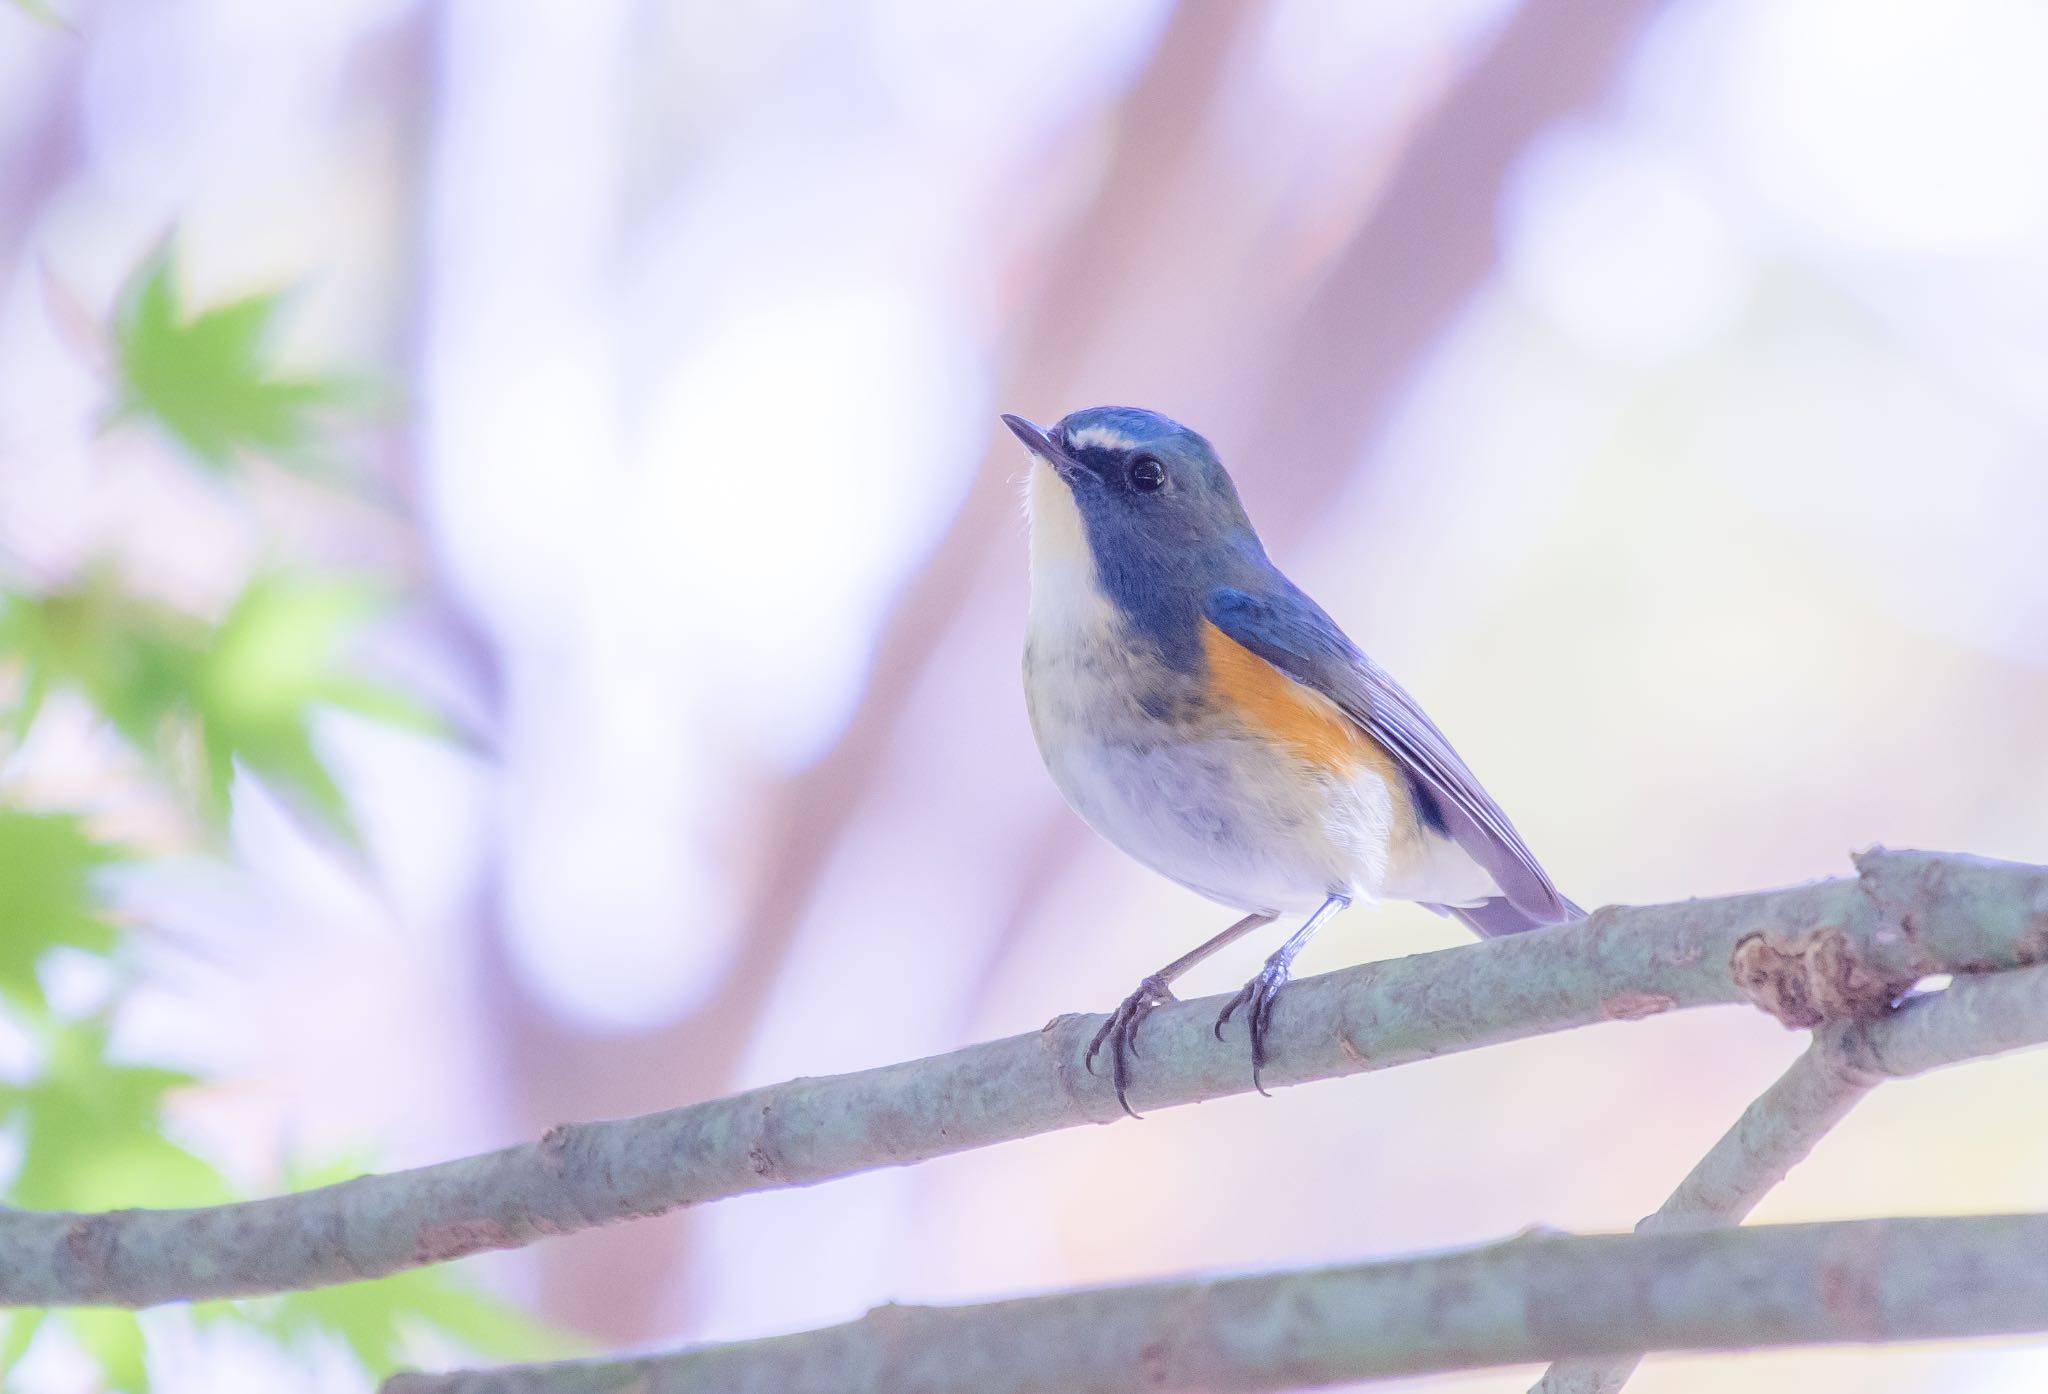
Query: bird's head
(1147,492)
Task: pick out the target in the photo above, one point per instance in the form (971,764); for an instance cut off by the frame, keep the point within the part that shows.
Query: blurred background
(1657,389)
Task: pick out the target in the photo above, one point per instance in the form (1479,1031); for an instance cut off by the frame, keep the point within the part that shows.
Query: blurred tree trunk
(41,151)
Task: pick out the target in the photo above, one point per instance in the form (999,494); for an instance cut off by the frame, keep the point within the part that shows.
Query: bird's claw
(1120,1032)
(1258,997)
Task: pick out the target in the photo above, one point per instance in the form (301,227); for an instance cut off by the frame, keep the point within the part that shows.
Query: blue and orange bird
(1206,716)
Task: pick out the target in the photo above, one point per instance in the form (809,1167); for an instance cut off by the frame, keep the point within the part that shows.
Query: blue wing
(1291,632)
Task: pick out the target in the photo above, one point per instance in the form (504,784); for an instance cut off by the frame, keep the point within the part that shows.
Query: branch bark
(1527,1299)
(1906,915)
(1974,1016)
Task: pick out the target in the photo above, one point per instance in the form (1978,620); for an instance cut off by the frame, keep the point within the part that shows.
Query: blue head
(1137,508)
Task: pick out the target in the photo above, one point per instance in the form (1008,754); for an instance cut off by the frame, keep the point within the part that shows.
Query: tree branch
(1906,915)
(1974,1016)
(1527,1299)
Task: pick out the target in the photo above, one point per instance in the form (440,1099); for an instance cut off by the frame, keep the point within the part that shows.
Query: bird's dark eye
(1147,473)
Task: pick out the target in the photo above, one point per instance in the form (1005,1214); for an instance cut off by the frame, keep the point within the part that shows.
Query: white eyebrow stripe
(1101,435)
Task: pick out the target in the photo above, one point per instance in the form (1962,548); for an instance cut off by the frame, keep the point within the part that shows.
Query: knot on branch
(89,1242)
(440,1242)
(764,1158)
(1821,978)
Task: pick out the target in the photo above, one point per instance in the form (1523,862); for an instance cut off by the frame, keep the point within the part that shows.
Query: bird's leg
(1121,1029)
(1258,995)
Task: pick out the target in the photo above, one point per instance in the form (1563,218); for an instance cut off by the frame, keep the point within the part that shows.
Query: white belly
(1224,818)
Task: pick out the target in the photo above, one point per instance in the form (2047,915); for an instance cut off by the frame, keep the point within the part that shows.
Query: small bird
(1207,717)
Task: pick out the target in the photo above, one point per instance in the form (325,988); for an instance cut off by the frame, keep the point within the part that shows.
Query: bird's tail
(1497,916)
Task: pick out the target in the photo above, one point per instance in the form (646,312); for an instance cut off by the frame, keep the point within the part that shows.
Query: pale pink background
(1656,389)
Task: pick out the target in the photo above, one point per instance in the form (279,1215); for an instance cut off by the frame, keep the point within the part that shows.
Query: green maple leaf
(92,1130)
(278,657)
(47,865)
(135,660)
(381,1321)
(113,1339)
(92,1138)
(243,693)
(206,376)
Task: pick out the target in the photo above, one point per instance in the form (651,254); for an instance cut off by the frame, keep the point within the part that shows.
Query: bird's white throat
(1066,596)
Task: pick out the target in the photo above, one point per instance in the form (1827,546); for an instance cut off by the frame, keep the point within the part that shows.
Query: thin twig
(1525,1300)
(1974,1016)
(1906,915)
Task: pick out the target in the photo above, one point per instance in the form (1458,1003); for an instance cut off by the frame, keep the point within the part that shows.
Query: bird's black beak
(1040,444)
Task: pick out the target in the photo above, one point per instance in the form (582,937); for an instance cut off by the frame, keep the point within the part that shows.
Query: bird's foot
(1257,998)
(1120,1033)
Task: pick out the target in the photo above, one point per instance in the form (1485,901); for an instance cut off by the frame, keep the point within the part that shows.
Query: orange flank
(1270,702)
